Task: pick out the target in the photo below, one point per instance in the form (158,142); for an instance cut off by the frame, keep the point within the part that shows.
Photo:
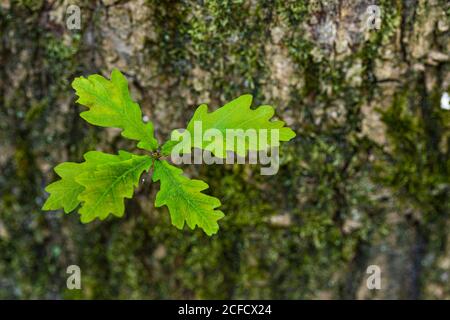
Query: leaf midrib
(137,124)
(99,200)
(180,191)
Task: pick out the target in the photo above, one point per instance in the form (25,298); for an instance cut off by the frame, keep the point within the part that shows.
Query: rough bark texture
(366,181)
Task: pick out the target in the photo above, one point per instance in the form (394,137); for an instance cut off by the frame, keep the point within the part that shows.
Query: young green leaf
(110,105)
(108,185)
(64,192)
(236,115)
(184,199)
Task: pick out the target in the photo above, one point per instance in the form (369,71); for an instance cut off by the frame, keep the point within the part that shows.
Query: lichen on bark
(365,182)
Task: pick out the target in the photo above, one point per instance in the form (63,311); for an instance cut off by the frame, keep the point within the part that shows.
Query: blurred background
(365,182)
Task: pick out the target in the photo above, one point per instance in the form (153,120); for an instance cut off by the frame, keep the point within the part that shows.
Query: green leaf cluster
(99,185)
